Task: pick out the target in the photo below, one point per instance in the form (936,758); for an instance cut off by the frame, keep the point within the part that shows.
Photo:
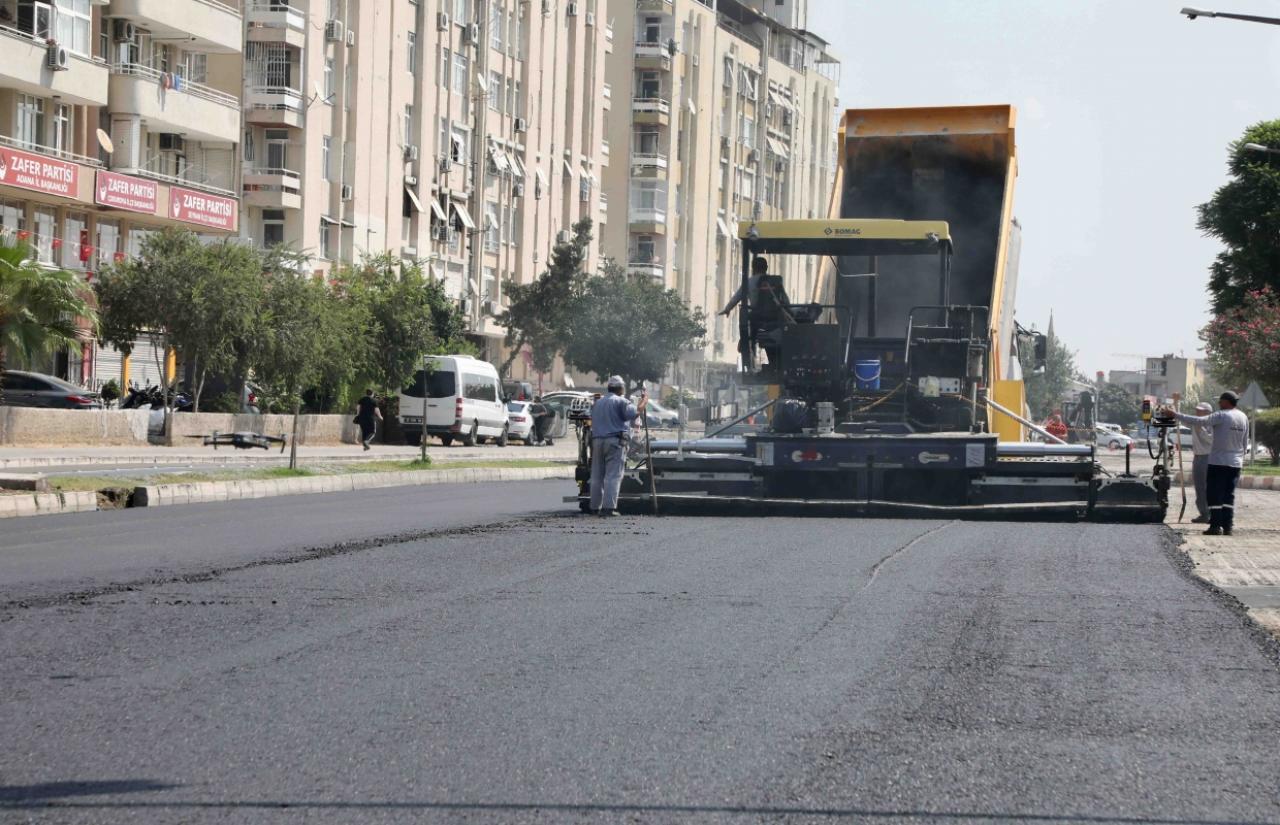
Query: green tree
(300,328)
(1243,341)
(38,306)
(539,313)
(629,326)
(1116,405)
(201,299)
(1045,390)
(1244,214)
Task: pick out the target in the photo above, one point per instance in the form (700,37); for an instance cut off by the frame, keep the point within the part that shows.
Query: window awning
(542,179)
(693,110)
(778,149)
(328,220)
(463,215)
(499,159)
(437,272)
(438,210)
(777,99)
(724,229)
(413,198)
(589,178)
(517,168)
(345,224)
(568,168)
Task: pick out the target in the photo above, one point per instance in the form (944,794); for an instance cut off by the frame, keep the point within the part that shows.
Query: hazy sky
(1125,110)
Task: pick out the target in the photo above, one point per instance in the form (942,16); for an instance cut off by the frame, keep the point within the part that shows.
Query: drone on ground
(243,440)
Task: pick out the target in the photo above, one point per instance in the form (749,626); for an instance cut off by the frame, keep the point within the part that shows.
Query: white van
(463,401)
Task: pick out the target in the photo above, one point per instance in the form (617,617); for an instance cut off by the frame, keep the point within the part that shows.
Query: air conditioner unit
(351,39)
(571,9)
(123,31)
(333,31)
(724,144)
(697,61)
(411,151)
(521,125)
(780,166)
(786,117)
(488,307)
(464,304)
(348,192)
(753,156)
(563,236)
(442,21)
(517,189)
(443,166)
(591,18)
(55,58)
(170,142)
(473,33)
(440,232)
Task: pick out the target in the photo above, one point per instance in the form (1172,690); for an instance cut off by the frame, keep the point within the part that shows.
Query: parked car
(1112,439)
(559,402)
(32,389)
(517,390)
(463,399)
(520,421)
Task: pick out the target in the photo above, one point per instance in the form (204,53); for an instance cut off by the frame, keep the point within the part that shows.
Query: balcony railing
(180,84)
(269,14)
(653,159)
(648,214)
(292,98)
(221,5)
(28,146)
(651,104)
(192,176)
(268,171)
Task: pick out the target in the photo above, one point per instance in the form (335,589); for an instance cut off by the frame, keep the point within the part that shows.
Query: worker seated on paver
(770,309)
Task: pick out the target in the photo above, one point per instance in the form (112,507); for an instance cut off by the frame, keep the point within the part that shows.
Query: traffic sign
(1254,398)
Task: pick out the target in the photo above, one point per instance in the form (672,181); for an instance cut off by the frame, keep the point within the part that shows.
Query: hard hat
(1204,406)
(616,381)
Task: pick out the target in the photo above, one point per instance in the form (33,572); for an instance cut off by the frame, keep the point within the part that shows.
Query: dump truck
(897,386)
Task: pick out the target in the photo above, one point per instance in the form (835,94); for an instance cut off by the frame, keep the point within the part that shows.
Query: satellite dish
(319,90)
(104,140)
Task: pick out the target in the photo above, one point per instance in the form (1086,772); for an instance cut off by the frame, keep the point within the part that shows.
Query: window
(272,227)
(647,143)
(497,93)
(446,60)
(335,10)
(328,79)
(13,216)
(45,223)
(728,72)
(488,284)
(411,52)
(458,138)
(108,242)
(326,239)
(72,226)
(326,157)
(29,128)
(653,30)
(74,24)
(460,68)
(646,250)
(516,101)
(60,133)
(496,19)
(346,89)
(462,12)
(648,85)
(479,388)
(492,229)
(407,124)
(277,148)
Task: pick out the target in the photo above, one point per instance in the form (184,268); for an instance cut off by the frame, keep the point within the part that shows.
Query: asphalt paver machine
(897,388)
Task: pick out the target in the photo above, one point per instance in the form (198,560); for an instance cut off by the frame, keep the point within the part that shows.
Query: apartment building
(731,118)
(1164,375)
(116,119)
(462,134)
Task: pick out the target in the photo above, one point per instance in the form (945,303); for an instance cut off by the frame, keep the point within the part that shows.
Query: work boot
(1226,531)
(609,513)
(1213,531)
(1200,520)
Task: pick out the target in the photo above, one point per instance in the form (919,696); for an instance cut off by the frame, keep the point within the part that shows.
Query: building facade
(463,135)
(116,119)
(726,115)
(1163,376)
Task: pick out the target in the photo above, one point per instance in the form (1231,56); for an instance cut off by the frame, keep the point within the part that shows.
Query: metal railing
(180,84)
(193,176)
(294,18)
(294,96)
(272,171)
(651,104)
(649,159)
(222,5)
(28,146)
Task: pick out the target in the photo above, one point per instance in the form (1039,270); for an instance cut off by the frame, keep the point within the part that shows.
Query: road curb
(165,495)
(1246,482)
(45,504)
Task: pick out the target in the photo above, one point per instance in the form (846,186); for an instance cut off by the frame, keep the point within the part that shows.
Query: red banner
(39,173)
(126,192)
(214,211)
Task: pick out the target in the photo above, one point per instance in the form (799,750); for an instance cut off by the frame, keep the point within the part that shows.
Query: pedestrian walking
(1230,429)
(1201,446)
(611,418)
(367,416)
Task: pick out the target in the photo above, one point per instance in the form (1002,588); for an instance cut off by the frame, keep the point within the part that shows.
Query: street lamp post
(1192,14)
(1258,147)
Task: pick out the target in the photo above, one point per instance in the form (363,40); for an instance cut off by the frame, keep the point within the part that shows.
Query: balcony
(648,164)
(84,82)
(651,110)
(651,54)
(270,21)
(652,269)
(170,104)
(654,6)
(274,106)
(272,188)
(650,220)
(201,25)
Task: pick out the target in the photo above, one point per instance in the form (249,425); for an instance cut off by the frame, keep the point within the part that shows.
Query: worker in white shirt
(1226,457)
(1201,446)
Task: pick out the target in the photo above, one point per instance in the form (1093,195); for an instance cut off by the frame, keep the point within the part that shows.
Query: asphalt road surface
(478,654)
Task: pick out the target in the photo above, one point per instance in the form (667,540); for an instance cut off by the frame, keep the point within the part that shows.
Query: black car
(31,389)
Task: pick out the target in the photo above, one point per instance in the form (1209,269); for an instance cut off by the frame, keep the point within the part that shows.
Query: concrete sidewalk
(23,458)
(1247,564)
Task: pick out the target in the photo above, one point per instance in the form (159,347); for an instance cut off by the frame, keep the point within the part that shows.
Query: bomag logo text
(843,230)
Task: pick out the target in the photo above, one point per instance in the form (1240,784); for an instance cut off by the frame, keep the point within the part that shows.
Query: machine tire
(446,440)
(471,439)
(501,440)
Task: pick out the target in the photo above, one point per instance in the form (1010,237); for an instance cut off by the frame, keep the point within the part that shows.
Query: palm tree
(38,306)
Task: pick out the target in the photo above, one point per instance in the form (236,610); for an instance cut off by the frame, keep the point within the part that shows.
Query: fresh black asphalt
(480,654)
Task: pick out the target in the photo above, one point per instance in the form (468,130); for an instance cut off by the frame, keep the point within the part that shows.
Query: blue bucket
(867,373)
